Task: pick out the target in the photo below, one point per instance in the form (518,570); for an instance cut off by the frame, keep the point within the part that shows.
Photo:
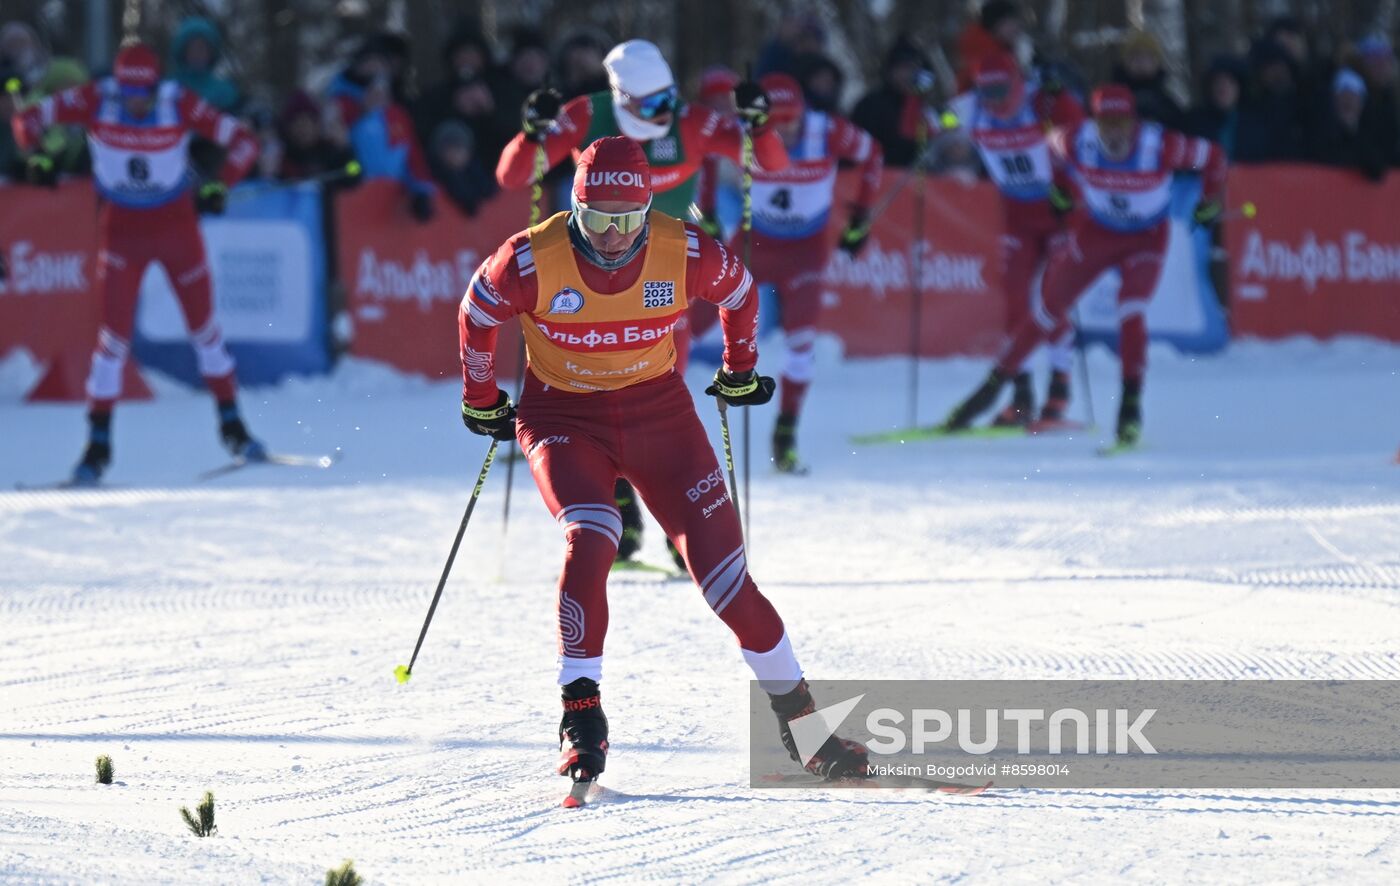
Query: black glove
(538,113)
(1207,213)
(211,198)
(752,104)
(421,205)
(1061,201)
(40,170)
(497,421)
(856,233)
(746,388)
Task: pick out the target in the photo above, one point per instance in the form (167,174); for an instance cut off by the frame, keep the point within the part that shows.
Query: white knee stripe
(724,581)
(214,360)
(1133,308)
(104,381)
(776,670)
(570,669)
(801,363)
(601,518)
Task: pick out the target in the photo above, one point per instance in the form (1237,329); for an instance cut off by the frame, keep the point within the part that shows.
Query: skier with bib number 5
(599,290)
(139,128)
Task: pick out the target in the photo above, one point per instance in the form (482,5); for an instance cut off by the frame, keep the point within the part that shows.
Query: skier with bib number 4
(791,247)
(644,105)
(1120,167)
(599,290)
(139,128)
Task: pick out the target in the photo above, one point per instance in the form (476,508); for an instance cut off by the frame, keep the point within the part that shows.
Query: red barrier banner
(1321,257)
(48,303)
(404,280)
(869,297)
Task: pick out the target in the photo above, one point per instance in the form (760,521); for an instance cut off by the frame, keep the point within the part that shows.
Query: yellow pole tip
(353,167)
(402,673)
(949,120)
(1250,210)
(13,86)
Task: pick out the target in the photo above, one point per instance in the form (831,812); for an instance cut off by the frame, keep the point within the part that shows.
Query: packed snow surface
(239,635)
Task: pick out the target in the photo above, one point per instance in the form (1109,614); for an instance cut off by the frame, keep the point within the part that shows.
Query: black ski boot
(235,436)
(1022,407)
(981,400)
(98,454)
(1130,414)
(1057,398)
(785,446)
(837,757)
(626,499)
(583,732)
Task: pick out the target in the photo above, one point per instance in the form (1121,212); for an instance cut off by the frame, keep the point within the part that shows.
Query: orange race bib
(580,340)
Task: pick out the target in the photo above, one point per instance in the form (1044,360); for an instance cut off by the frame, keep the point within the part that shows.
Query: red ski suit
(1121,224)
(602,401)
(791,245)
(1016,155)
(142,173)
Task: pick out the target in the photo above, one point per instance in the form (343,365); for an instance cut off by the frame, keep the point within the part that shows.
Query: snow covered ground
(239,636)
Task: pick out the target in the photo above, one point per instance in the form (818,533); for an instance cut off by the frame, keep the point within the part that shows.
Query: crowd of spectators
(1279,103)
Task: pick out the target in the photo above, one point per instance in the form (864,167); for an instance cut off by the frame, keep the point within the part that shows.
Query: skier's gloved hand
(1207,213)
(421,205)
(496,420)
(856,233)
(746,388)
(40,170)
(211,198)
(1061,201)
(752,104)
(539,112)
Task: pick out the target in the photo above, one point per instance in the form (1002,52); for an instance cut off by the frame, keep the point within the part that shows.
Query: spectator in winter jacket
(798,34)
(1270,128)
(1375,61)
(906,77)
(381,131)
(457,169)
(307,150)
(1341,137)
(1142,67)
(467,57)
(194,54)
(822,82)
(1218,114)
(580,65)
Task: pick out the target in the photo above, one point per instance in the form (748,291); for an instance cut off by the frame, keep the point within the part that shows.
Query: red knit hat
(1113,101)
(717,81)
(137,66)
(612,168)
(784,96)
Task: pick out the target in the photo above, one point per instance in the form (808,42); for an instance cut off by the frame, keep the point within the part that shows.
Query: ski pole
(1083,365)
(728,454)
(536,198)
(748,253)
(916,312)
(350,170)
(403,672)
